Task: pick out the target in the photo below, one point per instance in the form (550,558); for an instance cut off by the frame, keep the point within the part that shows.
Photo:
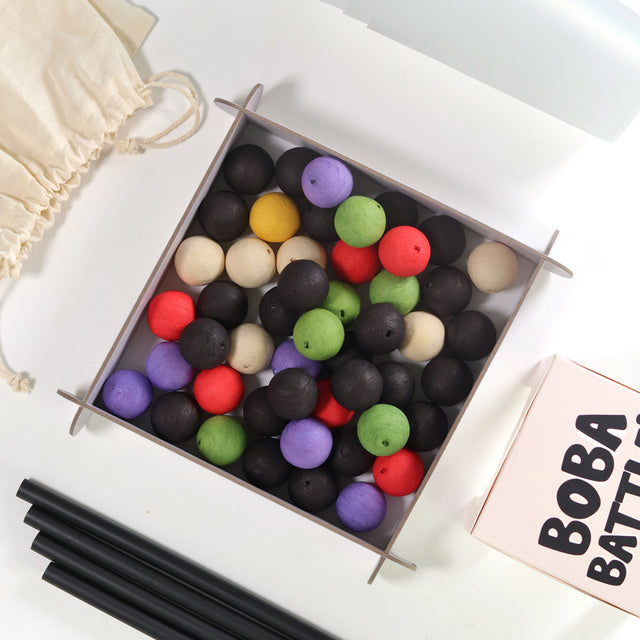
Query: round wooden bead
(492,267)
(274,217)
(306,443)
(248,169)
(326,182)
(380,328)
(446,380)
(354,264)
(225,302)
(166,369)
(349,457)
(318,334)
(275,317)
(428,425)
(398,384)
(328,409)
(264,465)
(300,248)
(313,490)
(169,313)
(223,215)
(404,251)
(446,238)
(204,343)
(318,222)
(250,262)
(357,384)
(218,390)
(127,393)
(292,393)
(343,301)
(286,356)
(424,336)
(360,221)
(289,168)
(303,285)
(402,292)
(383,429)
(471,335)
(259,417)
(221,440)
(251,348)
(198,260)
(399,209)
(398,474)
(361,506)
(445,290)
(175,416)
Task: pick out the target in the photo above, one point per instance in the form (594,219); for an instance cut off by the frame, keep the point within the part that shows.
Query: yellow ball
(274,217)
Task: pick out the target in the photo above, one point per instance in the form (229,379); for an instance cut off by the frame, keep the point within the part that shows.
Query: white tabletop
(434,129)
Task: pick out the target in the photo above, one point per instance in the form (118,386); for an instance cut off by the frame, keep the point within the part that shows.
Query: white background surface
(431,128)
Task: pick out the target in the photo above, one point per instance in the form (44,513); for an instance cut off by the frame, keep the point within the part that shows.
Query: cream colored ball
(424,336)
(251,348)
(250,262)
(492,267)
(300,248)
(198,260)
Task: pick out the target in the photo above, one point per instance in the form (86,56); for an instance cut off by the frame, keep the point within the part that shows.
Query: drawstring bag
(67,85)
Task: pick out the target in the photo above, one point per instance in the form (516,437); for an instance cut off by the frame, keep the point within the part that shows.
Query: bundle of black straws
(143,584)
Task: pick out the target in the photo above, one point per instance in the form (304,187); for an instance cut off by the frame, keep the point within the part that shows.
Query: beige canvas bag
(67,85)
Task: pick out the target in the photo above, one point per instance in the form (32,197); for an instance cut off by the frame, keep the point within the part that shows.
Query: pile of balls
(359,295)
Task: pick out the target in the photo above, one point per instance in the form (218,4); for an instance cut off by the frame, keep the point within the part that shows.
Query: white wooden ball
(251,348)
(250,262)
(198,260)
(492,267)
(300,248)
(424,336)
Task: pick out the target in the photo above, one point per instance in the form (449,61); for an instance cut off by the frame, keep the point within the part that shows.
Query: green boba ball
(318,334)
(221,440)
(360,221)
(383,429)
(402,293)
(342,300)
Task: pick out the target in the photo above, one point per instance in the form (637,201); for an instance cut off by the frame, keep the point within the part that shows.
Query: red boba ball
(328,409)
(398,474)
(218,390)
(355,264)
(169,313)
(404,251)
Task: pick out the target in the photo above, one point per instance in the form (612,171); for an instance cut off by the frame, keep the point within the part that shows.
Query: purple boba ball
(286,356)
(167,369)
(326,182)
(306,443)
(361,506)
(127,393)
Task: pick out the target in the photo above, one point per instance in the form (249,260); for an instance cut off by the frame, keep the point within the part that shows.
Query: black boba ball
(318,223)
(274,316)
(445,290)
(400,210)
(223,301)
(379,328)
(446,381)
(289,168)
(350,349)
(259,417)
(446,238)
(470,335)
(223,215)
(357,384)
(398,384)
(204,343)
(292,393)
(313,489)
(428,426)
(303,285)
(264,465)
(248,169)
(348,457)
(175,416)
